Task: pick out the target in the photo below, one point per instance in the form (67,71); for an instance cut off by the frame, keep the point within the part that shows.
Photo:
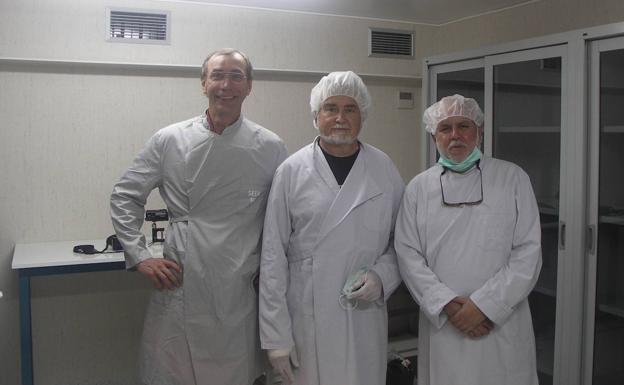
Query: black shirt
(340,166)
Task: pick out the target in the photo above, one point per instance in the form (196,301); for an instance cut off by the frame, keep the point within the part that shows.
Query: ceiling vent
(391,43)
(138,26)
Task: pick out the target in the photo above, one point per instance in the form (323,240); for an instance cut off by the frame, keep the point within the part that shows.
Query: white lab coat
(215,188)
(316,234)
(490,252)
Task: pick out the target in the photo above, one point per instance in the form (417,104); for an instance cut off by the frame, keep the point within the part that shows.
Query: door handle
(591,239)
(562,228)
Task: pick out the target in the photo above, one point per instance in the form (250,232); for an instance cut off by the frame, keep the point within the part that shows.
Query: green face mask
(470,160)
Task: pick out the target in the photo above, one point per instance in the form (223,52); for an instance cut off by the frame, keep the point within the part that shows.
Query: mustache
(457,143)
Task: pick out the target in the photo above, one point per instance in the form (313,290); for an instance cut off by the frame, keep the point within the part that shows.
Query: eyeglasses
(457,204)
(333,110)
(218,76)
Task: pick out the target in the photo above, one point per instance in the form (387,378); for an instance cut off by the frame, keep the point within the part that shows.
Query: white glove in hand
(371,289)
(280,361)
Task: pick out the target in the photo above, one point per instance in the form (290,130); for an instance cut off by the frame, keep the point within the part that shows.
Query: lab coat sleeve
(424,285)
(515,280)
(128,201)
(386,265)
(275,322)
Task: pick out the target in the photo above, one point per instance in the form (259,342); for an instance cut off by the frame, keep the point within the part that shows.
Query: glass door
(526,128)
(604,353)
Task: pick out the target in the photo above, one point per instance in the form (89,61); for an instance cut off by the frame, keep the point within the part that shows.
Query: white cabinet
(555,107)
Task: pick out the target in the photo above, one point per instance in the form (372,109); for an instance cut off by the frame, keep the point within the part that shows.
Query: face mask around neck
(464,165)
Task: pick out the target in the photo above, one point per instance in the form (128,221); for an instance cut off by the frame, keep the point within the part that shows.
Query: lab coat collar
(322,167)
(227,131)
(358,188)
(201,172)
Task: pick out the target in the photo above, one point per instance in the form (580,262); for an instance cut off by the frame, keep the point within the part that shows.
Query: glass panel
(527,132)
(468,83)
(609,320)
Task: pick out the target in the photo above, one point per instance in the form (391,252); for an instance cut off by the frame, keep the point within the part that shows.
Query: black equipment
(158,233)
(112,243)
(400,371)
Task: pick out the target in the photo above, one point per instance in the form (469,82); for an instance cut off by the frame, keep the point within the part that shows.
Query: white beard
(337,139)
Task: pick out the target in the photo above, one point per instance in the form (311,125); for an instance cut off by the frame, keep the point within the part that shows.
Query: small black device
(85,249)
(112,244)
(156,215)
(158,233)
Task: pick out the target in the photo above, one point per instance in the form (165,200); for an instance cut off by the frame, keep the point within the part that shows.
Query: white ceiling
(415,11)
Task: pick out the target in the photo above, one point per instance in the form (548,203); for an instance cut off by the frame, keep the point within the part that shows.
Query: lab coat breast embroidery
(253,194)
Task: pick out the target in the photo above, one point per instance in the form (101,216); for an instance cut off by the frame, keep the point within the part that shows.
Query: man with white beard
(328,264)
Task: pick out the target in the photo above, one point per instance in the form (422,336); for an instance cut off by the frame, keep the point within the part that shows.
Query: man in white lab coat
(214,173)
(469,250)
(328,264)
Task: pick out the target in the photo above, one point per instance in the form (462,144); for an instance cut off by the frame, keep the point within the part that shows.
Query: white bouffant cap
(455,105)
(345,83)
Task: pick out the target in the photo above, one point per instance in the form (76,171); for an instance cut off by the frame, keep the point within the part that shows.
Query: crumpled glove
(280,360)
(370,290)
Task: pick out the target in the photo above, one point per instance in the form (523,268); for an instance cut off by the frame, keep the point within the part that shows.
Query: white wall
(66,29)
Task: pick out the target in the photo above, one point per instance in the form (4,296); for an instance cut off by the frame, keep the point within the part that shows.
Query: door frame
(594,48)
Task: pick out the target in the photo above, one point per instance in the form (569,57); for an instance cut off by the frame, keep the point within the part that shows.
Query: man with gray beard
(328,263)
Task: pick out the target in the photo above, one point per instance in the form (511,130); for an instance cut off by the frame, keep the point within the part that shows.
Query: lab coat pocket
(374,216)
(369,306)
(172,253)
(163,305)
(238,298)
(372,211)
(300,288)
(496,232)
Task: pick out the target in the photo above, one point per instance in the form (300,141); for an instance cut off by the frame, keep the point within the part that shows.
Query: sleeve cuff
(131,261)
(275,353)
(388,283)
(434,301)
(496,311)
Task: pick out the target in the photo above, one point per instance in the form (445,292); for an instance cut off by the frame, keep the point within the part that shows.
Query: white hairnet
(455,105)
(345,83)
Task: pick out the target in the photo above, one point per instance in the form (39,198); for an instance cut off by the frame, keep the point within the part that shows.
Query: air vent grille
(128,26)
(391,43)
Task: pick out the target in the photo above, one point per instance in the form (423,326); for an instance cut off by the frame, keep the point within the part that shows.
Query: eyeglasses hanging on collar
(468,203)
